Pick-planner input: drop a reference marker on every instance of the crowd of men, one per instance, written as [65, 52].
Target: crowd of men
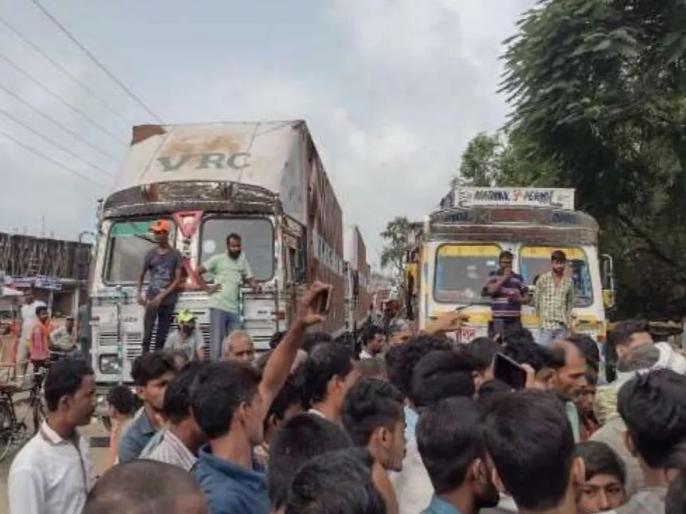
[414, 423]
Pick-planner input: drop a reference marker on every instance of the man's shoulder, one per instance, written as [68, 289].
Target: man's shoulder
[31, 457]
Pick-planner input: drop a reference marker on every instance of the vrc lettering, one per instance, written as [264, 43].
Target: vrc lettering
[216, 160]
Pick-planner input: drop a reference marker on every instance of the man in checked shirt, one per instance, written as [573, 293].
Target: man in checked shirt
[554, 300]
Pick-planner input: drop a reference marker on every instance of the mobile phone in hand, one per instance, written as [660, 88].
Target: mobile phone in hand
[509, 371]
[323, 302]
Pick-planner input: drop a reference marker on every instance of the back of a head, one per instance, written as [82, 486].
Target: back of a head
[653, 406]
[312, 339]
[122, 399]
[624, 330]
[449, 439]
[643, 357]
[64, 378]
[151, 366]
[301, 438]
[443, 374]
[535, 355]
[600, 459]
[588, 347]
[401, 360]
[371, 404]
[126, 489]
[519, 335]
[529, 438]
[177, 396]
[217, 391]
[336, 483]
[493, 388]
[483, 349]
[325, 361]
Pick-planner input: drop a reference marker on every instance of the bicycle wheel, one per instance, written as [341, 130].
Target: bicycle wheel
[38, 413]
[6, 430]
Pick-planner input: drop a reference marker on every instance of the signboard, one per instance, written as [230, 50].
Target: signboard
[46, 282]
[512, 196]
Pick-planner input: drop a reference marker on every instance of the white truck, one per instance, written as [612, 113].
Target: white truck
[263, 180]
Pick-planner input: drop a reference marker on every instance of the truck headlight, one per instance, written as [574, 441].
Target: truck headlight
[109, 363]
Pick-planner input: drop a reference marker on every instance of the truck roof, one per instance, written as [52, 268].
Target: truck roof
[272, 155]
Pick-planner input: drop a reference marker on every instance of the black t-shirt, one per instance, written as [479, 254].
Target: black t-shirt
[162, 269]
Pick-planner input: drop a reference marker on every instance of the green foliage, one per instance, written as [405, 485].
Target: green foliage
[598, 89]
[395, 246]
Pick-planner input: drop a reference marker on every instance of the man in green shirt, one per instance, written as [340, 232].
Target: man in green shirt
[229, 271]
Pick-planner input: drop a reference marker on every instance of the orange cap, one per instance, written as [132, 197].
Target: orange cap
[160, 226]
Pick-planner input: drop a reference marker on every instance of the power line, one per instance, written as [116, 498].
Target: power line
[59, 97]
[95, 60]
[64, 70]
[76, 136]
[51, 160]
[53, 142]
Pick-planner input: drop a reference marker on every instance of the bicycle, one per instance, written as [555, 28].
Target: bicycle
[13, 429]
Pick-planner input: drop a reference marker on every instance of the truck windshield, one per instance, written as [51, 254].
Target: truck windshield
[462, 271]
[128, 243]
[535, 260]
[257, 235]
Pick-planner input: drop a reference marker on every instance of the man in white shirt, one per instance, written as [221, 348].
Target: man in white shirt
[51, 474]
[373, 343]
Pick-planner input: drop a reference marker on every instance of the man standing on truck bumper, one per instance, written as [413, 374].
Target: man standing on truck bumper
[229, 271]
[554, 300]
[164, 265]
[508, 292]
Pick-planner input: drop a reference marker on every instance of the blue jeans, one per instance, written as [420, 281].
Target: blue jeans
[550, 335]
[222, 323]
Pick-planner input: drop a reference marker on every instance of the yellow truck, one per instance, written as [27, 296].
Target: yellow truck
[453, 251]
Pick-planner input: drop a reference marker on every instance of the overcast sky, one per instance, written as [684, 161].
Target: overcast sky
[392, 91]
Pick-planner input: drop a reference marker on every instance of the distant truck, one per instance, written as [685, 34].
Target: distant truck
[455, 248]
[357, 278]
[262, 180]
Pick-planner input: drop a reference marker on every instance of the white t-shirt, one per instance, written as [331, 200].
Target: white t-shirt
[28, 317]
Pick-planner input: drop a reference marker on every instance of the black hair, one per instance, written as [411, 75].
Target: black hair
[588, 347]
[443, 374]
[312, 339]
[41, 309]
[276, 339]
[64, 378]
[324, 362]
[126, 489]
[371, 404]
[653, 406]
[301, 438]
[122, 399]
[600, 459]
[558, 256]
[530, 440]
[493, 387]
[177, 396]
[217, 391]
[518, 335]
[151, 366]
[505, 255]
[535, 355]
[335, 483]
[401, 359]
[290, 394]
[483, 350]
[449, 440]
[372, 332]
[624, 330]
[234, 236]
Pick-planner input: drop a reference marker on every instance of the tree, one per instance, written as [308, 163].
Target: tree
[396, 238]
[480, 164]
[599, 87]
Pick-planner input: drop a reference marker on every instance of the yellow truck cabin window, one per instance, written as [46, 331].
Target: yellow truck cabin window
[462, 271]
[535, 260]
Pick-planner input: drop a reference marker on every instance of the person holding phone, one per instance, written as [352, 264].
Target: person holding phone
[508, 292]
[229, 272]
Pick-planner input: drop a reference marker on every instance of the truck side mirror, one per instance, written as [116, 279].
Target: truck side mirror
[607, 278]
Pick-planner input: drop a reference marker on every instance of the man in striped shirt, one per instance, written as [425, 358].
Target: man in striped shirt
[508, 292]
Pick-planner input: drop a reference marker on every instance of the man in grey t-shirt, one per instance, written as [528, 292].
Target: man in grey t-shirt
[187, 338]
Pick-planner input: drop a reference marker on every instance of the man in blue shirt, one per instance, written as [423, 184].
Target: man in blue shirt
[450, 443]
[230, 401]
[508, 292]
